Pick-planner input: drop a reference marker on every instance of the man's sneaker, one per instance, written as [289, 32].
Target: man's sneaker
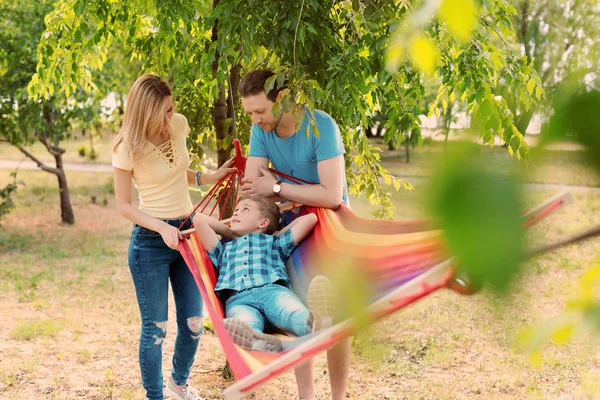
[247, 338]
[181, 393]
[323, 302]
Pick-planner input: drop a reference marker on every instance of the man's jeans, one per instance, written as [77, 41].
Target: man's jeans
[152, 265]
[270, 303]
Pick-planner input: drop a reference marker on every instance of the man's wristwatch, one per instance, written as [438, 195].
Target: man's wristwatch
[277, 187]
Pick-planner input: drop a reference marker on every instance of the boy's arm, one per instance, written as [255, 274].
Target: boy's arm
[300, 227]
[207, 229]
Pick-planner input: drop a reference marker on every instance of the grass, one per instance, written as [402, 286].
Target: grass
[71, 321]
[555, 165]
[46, 328]
[85, 355]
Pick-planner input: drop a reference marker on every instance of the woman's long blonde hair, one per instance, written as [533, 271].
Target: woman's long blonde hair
[143, 114]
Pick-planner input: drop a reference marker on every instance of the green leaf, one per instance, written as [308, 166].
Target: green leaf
[386, 178]
[538, 93]
[227, 125]
[79, 7]
[530, 86]
[270, 83]
[578, 115]
[511, 10]
[479, 213]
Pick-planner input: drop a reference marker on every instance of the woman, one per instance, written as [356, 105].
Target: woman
[151, 150]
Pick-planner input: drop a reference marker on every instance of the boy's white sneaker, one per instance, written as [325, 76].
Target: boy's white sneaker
[247, 338]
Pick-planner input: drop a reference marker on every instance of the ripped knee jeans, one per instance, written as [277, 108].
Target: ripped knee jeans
[153, 265]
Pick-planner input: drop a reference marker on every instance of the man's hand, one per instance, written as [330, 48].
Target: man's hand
[262, 184]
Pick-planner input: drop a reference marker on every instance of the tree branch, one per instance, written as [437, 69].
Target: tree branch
[523, 30]
[489, 25]
[37, 161]
[296, 32]
[595, 232]
[364, 19]
[54, 150]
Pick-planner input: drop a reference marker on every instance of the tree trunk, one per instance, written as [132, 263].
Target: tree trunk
[66, 211]
[93, 154]
[233, 97]
[523, 27]
[221, 112]
[220, 105]
[522, 121]
[447, 122]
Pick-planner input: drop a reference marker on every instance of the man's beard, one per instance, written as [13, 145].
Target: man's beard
[277, 121]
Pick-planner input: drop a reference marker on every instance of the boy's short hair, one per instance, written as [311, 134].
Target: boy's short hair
[268, 210]
[254, 82]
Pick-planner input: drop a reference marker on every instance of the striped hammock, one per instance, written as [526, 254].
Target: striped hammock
[398, 262]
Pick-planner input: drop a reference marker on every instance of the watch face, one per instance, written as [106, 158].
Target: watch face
[277, 188]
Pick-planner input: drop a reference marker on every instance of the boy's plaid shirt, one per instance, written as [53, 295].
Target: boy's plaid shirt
[252, 260]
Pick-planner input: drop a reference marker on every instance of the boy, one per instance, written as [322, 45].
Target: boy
[252, 279]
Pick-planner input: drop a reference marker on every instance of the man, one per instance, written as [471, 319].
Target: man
[317, 159]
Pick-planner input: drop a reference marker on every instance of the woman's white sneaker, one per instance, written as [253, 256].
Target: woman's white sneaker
[181, 392]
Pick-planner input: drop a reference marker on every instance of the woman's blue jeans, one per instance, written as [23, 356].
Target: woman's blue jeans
[152, 265]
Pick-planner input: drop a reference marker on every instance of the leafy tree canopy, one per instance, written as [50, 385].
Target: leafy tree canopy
[350, 58]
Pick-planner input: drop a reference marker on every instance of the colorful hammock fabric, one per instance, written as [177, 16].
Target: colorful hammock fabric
[401, 262]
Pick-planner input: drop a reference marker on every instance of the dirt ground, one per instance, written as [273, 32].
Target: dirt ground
[71, 326]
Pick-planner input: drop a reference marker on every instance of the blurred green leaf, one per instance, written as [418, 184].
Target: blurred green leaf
[479, 213]
[459, 15]
[578, 114]
[592, 316]
[424, 53]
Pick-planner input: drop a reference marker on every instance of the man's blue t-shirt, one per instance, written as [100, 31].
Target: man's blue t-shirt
[299, 154]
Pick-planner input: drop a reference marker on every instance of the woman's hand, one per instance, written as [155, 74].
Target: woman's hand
[210, 178]
[170, 235]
